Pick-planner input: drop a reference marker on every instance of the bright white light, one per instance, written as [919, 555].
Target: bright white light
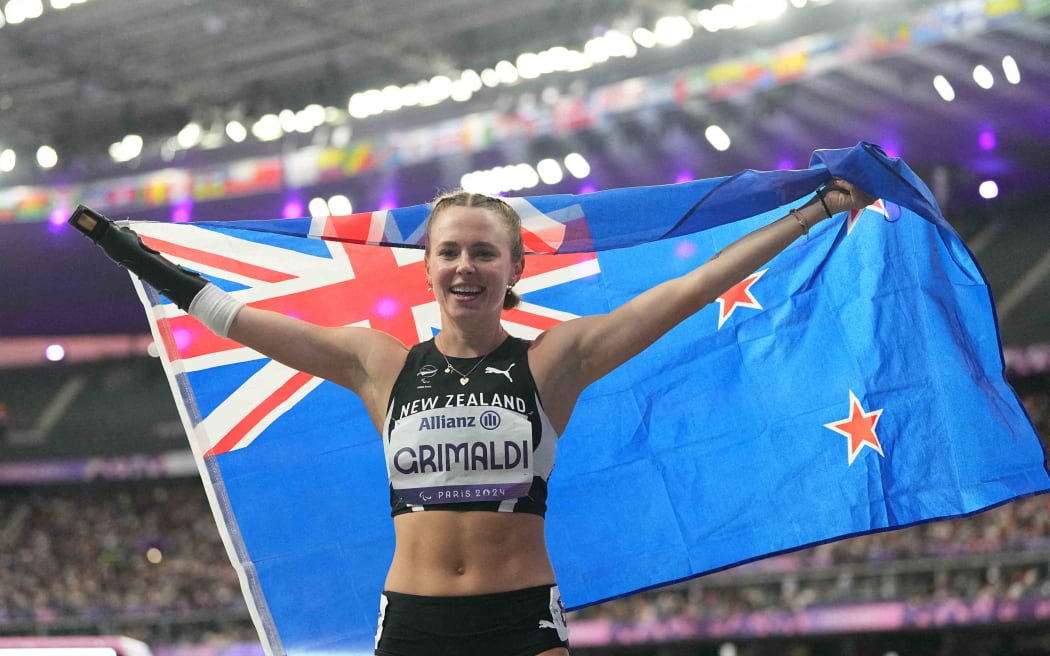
[798, 4]
[717, 137]
[552, 59]
[189, 136]
[597, 50]
[490, 78]
[672, 30]
[152, 350]
[54, 352]
[132, 146]
[983, 77]
[46, 157]
[287, 119]
[1011, 71]
[440, 87]
[411, 95]
[507, 72]
[357, 106]
[576, 61]
[267, 128]
[391, 98]
[723, 17]
[550, 171]
[236, 131]
[944, 88]
[317, 207]
[644, 37]
[528, 64]
[315, 114]
[19, 11]
[461, 91]
[469, 182]
[577, 165]
[745, 14]
[707, 20]
[471, 78]
[304, 122]
[527, 176]
[126, 149]
[988, 189]
[7, 160]
[620, 45]
[374, 101]
[339, 205]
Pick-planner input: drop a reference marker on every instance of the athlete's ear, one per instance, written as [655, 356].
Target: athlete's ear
[519, 268]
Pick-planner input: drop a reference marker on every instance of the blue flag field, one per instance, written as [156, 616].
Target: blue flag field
[853, 384]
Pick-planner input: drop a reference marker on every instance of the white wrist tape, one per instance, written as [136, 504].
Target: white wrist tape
[215, 309]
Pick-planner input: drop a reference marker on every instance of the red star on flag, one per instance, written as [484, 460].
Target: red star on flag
[739, 295]
[854, 215]
[859, 428]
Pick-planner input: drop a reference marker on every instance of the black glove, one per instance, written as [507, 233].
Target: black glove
[125, 247]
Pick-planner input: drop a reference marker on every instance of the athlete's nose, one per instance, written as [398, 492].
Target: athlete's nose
[464, 265]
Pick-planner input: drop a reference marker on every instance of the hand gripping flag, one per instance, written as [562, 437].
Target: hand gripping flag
[852, 384]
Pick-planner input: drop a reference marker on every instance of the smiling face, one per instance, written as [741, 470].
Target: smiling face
[470, 261]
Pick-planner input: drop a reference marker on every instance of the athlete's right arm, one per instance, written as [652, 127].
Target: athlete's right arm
[365, 361]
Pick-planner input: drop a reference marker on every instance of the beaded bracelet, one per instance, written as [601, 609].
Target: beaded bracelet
[798, 217]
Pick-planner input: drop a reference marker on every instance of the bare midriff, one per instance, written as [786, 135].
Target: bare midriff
[450, 553]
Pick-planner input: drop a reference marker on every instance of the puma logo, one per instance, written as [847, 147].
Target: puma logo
[506, 372]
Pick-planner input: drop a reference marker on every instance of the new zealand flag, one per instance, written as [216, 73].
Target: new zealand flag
[853, 384]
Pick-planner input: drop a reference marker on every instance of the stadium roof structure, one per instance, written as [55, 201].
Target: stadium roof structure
[83, 78]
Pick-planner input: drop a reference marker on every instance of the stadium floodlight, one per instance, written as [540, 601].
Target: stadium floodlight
[983, 77]
[944, 88]
[340, 205]
[549, 171]
[1011, 70]
[46, 157]
[717, 137]
[988, 189]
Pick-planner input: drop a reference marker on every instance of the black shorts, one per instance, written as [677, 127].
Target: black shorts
[517, 623]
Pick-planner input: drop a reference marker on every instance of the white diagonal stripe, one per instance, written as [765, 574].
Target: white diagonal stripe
[559, 276]
[251, 394]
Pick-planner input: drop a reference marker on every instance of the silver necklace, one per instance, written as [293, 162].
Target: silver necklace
[464, 378]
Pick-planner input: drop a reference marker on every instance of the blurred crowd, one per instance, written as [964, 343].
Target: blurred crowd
[145, 559]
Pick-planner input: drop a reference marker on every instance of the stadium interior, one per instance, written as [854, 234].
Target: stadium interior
[249, 109]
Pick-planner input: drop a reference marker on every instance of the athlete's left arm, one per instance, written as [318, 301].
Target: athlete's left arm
[590, 347]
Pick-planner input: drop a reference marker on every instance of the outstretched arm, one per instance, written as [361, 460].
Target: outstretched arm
[590, 347]
[360, 359]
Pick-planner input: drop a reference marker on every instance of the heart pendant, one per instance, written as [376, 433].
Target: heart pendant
[464, 380]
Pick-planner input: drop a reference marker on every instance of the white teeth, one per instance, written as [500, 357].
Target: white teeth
[466, 290]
